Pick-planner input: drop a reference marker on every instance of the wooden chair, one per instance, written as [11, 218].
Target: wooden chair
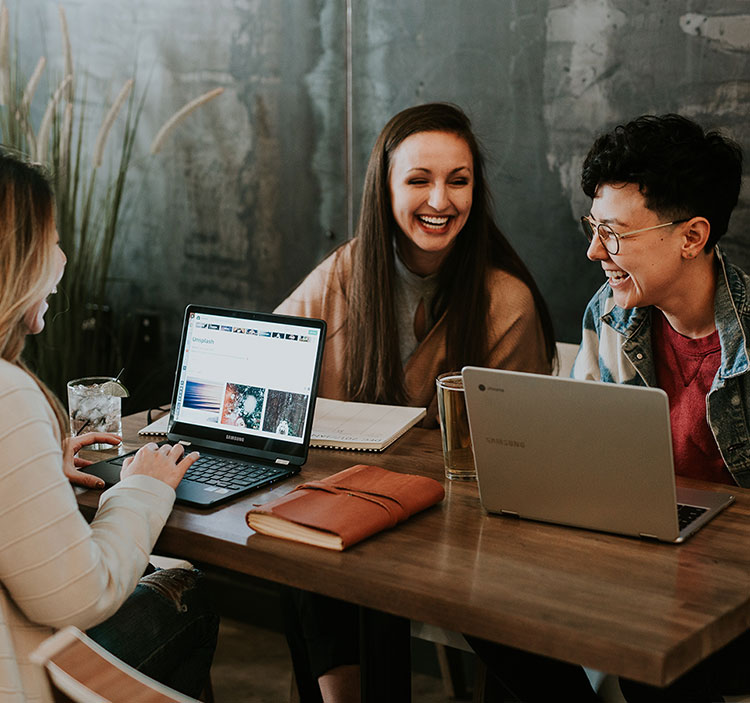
[81, 671]
[448, 647]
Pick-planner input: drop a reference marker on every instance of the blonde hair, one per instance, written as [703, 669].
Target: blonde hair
[27, 267]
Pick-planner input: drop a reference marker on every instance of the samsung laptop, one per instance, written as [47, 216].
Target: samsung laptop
[581, 453]
[244, 397]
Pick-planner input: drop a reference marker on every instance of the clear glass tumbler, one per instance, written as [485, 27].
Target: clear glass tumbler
[93, 409]
[458, 455]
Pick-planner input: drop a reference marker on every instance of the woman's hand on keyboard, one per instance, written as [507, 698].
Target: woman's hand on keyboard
[166, 463]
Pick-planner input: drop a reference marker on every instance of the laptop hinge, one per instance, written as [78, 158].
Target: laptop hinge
[509, 513]
[185, 443]
[284, 462]
[644, 535]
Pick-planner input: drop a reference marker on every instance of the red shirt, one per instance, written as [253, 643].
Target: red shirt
[685, 369]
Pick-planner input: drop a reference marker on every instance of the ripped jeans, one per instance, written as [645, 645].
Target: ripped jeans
[165, 629]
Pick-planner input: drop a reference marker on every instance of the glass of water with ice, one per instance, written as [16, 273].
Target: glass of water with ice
[94, 408]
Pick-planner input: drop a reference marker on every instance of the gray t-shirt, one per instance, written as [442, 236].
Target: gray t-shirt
[411, 288]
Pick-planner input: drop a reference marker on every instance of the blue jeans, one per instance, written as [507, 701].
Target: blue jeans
[165, 629]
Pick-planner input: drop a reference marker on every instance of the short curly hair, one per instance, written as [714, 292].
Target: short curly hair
[681, 170]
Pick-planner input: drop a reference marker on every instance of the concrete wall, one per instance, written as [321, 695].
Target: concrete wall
[252, 190]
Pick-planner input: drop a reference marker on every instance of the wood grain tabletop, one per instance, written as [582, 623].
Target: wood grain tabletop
[630, 607]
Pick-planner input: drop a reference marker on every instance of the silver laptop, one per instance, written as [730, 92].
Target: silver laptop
[582, 453]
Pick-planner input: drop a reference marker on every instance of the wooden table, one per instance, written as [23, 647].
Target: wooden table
[639, 609]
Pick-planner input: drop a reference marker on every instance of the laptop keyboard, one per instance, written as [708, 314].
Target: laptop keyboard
[226, 473]
[229, 473]
[687, 514]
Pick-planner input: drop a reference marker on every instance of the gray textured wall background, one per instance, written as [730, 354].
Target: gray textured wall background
[251, 192]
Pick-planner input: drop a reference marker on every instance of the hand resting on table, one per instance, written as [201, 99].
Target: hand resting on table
[72, 463]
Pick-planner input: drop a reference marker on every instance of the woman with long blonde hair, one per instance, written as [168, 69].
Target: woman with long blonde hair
[56, 570]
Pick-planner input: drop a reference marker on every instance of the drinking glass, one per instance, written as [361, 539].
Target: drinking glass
[458, 456]
[93, 409]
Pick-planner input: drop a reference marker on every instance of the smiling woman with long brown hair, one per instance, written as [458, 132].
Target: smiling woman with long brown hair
[429, 284]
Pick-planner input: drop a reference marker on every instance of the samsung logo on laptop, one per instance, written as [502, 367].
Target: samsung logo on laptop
[506, 442]
[234, 438]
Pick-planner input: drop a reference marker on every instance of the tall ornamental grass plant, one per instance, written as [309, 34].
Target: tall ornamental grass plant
[80, 338]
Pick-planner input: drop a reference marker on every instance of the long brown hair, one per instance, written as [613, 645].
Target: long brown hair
[374, 372]
[27, 271]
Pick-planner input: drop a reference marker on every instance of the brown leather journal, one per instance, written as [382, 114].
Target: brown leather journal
[347, 507]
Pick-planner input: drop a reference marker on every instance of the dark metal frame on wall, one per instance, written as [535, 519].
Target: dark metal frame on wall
[349, 123]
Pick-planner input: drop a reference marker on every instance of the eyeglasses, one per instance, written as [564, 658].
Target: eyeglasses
[609, 238]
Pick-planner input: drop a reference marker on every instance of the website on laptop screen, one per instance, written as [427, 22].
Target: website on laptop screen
[247, 376]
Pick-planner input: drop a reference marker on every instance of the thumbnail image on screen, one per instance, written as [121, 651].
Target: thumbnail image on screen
[285, 413]
[203, 396]
[243, 406]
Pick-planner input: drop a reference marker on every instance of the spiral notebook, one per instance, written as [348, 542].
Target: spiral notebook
[158, 428]
[367, 427]
[342, 425]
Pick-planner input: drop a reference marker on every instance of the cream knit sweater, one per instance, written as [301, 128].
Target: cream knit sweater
[55, 569]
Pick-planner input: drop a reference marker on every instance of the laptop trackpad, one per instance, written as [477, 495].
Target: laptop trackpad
[712, 501]
[106, 470]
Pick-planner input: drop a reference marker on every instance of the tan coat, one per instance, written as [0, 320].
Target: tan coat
[515, 331]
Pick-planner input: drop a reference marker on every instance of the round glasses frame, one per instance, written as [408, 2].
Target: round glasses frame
[609, 238]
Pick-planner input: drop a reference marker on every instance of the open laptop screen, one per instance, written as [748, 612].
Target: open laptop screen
[247, 379]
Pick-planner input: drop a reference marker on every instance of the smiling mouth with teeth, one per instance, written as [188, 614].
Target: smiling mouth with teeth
[617, 276]
[433, 221]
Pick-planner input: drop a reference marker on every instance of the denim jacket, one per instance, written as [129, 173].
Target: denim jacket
[616, 348]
